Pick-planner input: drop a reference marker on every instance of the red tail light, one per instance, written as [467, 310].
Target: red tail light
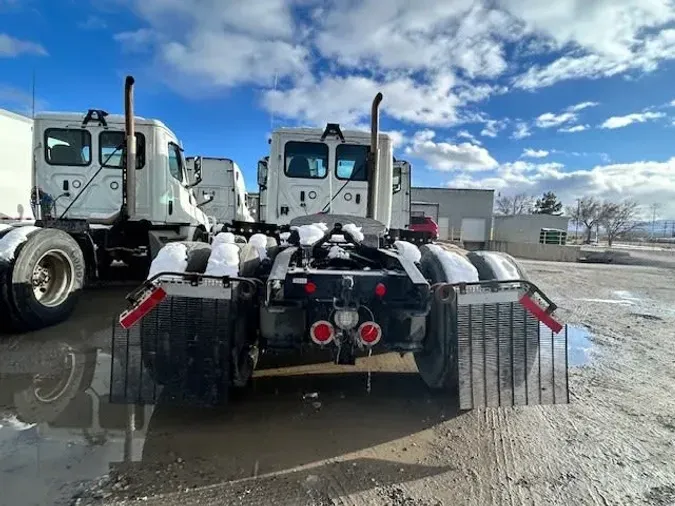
[310, 288]
[370, 333]
[322, 332]
[380, 290]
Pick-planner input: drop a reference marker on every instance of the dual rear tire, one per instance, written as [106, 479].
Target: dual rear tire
[41, 283]
[202, 348]
[438, 363]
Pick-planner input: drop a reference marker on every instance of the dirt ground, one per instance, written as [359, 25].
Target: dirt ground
[308, 434]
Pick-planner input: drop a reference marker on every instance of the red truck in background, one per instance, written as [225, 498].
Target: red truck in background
[424, 224]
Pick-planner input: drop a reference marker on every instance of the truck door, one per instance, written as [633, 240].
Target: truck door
[80, 170]
[180, 200]
[305, 169]
[400, 211]
[349, 192]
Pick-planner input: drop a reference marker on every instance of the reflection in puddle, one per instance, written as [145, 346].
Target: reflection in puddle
[57, 426]
[579, 345]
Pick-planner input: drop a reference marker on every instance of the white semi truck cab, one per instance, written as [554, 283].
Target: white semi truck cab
[313, 170]
[222, 188]
[78, 170]
[103, 188]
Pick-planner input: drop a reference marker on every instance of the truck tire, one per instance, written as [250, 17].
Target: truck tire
[44, 282]
[198, 254]
[437, 363]
[186, 368]
[10, 320]
[496, 265]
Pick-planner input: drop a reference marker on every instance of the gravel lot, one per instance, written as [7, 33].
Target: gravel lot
[398, 445]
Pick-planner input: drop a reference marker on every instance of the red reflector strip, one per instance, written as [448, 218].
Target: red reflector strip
[147, 304]
[540, 314]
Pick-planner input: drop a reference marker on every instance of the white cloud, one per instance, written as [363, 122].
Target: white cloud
[644, 181]
[521, 131]
[444, 156]
[348, 100]
[534, 153]
[581, 106]
[573, 129]
[420, 35]
[548, 119]
[599, 38]
[465, 134]
[624, 121]
[213, 44]
[11, 47]
[492, 127]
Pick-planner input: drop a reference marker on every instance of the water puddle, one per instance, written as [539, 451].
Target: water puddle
[579, 345]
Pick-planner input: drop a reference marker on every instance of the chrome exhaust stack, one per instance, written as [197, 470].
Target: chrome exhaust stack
[129, 203]
[373, 172]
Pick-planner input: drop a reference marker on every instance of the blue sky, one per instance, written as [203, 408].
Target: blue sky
[516, 95]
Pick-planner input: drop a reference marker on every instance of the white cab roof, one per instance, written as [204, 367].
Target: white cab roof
[349, 134]
[115, 119]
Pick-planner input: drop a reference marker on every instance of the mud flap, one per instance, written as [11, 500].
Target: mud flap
[172, 347]
[511, 351]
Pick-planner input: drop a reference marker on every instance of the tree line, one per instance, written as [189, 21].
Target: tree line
[615, 218]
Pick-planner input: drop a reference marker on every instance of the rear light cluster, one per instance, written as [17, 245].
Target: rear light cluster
[322, 333]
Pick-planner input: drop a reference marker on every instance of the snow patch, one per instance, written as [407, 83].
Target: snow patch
[354, 231]
[457, 268]
[260, 242]
[4, 227]
[224, 260]
[11, 240]
[223, 237]
[338, 252]
[408, 250]
[171, 258]
[310, 234]
[13, 422]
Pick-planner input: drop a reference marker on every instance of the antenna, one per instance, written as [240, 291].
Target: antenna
[33, 97]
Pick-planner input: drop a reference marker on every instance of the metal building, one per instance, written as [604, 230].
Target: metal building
[462, 214]
[526, 228]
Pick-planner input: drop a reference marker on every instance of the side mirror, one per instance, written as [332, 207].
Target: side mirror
[397, 179]
[262, 173]
[208, 197]
[197, 172]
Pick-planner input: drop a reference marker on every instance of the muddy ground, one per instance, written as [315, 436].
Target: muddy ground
[398, 445]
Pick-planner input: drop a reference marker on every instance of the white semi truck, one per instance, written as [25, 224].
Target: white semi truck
[223, 189]
[96, 198]
[342, 280]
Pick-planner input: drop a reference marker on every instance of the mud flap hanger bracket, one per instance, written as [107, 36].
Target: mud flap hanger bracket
[492, 291]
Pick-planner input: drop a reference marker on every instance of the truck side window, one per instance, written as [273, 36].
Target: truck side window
[351, 162]
[110, 152]
[397, 179]
[175, 162]
[67, 146]
[306, 159]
